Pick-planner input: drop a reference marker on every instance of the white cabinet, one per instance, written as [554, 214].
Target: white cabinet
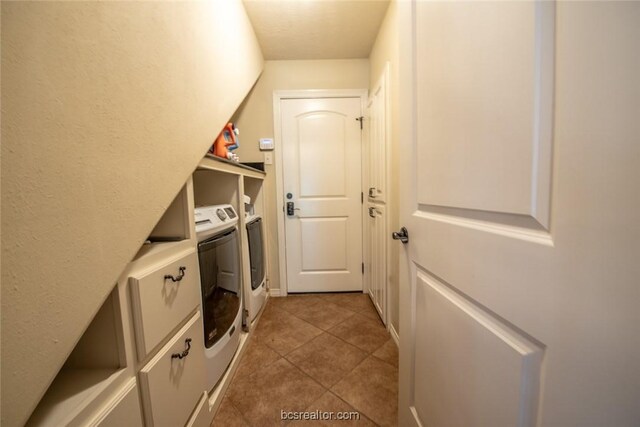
[377, 274]
[162, 296]
[201, 416]
[123, 411]
[93, 373]
[173, 381]
[219, 182]
[122, 372]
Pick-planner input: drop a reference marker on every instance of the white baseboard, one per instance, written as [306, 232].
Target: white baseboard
[394, 334]
[274, 292]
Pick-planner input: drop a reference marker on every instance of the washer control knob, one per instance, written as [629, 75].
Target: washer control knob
[221, 215]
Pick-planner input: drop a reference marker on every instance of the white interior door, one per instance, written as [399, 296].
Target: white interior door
[376, 243]
[377, 228]
[321, 149]
[378, 137]
[520, 181]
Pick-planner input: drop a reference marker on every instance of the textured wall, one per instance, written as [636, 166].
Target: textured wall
[107, 108]
[387, 49]
[255, 120]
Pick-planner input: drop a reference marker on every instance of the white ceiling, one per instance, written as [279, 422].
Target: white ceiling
[316, 29]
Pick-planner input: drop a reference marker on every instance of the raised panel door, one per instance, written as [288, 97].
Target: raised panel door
[518, 297]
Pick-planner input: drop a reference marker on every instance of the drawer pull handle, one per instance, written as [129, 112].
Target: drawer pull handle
[185, 353]
[179, 277]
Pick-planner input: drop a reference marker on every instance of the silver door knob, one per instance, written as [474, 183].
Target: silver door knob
[402, 235]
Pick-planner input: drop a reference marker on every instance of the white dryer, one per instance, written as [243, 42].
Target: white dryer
[221, 286]
[256, 294]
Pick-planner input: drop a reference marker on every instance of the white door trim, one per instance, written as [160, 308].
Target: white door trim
[278, 96]
[382, 80]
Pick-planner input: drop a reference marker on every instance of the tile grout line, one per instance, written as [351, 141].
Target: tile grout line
[356, 367]
[383, 361]
[368, 353]
[332, 326]
[238, 410]
[354, 408]
[346, 373]
[260, 367]
[309, 324]
[314, 302]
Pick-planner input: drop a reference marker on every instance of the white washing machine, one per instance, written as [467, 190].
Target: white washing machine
[256, 295]
[221, 286]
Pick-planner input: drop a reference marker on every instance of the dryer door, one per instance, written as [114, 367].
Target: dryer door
[256, 253]
[220, 281]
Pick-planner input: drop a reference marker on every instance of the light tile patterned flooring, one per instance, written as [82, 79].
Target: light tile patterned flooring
[327, 352]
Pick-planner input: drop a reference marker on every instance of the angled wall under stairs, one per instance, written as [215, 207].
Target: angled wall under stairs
[107, 107]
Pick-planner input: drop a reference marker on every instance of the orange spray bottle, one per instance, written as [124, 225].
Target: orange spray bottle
[226, 138]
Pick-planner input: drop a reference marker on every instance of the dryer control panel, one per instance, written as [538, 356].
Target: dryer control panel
[214, 219]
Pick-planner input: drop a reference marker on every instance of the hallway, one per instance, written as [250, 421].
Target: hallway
[315, 352]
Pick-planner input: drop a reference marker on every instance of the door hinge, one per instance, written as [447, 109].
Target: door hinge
[362, 198]
[361, 120]
[363, 268]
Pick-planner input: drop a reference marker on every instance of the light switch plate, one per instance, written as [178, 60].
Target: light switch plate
[268, 158]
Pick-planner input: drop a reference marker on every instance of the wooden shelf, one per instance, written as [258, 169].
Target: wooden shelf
[222, 165]
[215, 187]
[177, 222]
[70, 392]
[95, 367]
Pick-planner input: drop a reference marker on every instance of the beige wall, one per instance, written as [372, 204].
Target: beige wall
[107, 108]
[386, 49]
[255, 120]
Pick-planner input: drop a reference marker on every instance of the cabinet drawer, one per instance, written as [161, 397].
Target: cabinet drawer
[159, 303]
[201, 416]
[172, 387]
[125, 410]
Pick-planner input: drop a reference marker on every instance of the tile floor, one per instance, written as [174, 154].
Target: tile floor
[327, 352]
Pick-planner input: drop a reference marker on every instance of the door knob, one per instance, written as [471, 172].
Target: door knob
[402, 235]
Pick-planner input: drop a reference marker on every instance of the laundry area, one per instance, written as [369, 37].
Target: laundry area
[320, 212]
[262, 215]
[190, 321]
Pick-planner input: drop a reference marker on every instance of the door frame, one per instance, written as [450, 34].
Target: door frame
[278, 97]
